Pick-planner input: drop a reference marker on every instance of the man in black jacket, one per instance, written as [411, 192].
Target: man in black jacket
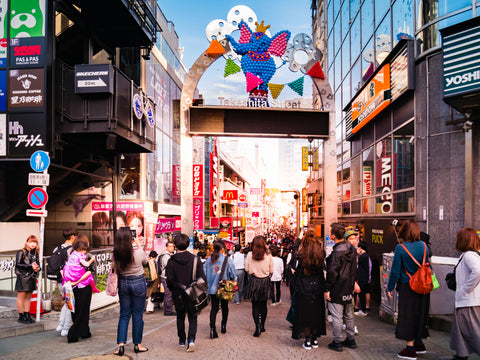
[341, 271]
[180, 270]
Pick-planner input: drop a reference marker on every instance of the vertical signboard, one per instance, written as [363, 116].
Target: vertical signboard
[197, 180]
[197, 213]
[176, 183]
[304, 200]
[3, 135]
[226, 230]
[3, 32]
[26, 134]
[315, 160]
[27, 18]
[26, 89]
[3, 90]
[304, 158]
[214, 183]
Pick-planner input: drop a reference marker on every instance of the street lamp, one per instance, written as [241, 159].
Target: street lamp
[297, 198]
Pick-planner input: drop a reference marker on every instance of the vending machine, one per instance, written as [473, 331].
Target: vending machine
[388, 306]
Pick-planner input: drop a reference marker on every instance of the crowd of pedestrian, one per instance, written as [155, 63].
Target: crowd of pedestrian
[337, 285]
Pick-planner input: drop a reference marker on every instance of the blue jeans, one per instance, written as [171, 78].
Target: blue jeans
[240, 278]
[132, 291]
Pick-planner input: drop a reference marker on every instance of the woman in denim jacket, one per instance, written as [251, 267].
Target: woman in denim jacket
[212, 269]
[132, 288]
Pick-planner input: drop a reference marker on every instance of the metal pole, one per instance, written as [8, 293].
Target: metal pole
[39, 289]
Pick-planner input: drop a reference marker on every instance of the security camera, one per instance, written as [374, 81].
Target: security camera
[394, 222]
[412, 140]
[467, 125]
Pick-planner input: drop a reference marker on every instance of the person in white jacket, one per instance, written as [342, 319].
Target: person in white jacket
[277, 276]
[465, 334]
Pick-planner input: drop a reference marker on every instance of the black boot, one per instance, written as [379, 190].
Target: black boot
[262, 326]
[223, 330]
[213, 332]
[257, 330]
[28, 317]
[22, 319]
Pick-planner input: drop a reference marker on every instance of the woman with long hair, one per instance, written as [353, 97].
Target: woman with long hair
[412, 307]
[259, 265]
[129, 258]
[309, 309]
[213, 268]
[465, 337]
[26, 269]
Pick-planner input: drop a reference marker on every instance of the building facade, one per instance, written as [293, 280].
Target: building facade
[404, 149]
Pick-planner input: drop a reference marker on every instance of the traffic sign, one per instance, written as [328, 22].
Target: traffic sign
[242, 197]
[39, 161]
[37, 198]
[38, 179]
[31, 212]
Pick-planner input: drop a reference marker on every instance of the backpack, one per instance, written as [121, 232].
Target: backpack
[420, 282]
[56, 262]
[195, 293]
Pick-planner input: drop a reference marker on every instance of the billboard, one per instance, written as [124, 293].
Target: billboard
[27, 52]
[26, 134]
[26, 89]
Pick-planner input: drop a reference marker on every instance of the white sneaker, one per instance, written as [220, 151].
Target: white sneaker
[59, 328]
[273, 304]
[64, 332]
[191, 346]
[355, 329]
[360, 313]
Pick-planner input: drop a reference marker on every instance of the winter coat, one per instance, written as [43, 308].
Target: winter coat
[341, 272]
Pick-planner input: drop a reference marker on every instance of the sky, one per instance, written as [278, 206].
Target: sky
[190, 19]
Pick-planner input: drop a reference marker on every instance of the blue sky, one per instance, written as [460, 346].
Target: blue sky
[192, 17]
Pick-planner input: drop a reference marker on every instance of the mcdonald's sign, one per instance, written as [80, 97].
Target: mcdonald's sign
[230, 194]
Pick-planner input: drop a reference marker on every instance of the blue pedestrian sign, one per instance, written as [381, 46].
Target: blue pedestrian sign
[39, 161]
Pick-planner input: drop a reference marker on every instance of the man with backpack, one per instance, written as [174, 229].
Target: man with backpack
[54, 267]
[162, 264]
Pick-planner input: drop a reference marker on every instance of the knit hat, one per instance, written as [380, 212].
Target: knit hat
[348, 233]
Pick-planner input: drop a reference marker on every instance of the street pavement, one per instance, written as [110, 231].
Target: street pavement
[375, 340]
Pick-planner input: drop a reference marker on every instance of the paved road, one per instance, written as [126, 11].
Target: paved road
[375, 340]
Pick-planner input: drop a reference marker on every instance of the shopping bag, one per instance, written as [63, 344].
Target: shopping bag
[69, 297]
[112, 284]
[150, 271]
[435, 282]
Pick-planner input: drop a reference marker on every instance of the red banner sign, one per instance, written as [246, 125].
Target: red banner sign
[197, 180]
[165, 225]
[214, 183]
[197, 213]
[176, 183]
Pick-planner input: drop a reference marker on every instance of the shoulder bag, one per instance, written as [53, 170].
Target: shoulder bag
[196, 292]
[226, 289]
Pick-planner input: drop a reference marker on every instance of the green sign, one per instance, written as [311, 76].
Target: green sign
[27, 18]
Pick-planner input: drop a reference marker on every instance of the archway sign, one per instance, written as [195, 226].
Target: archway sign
[255, 50]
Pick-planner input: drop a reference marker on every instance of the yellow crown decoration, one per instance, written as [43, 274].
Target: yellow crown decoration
[261, 27]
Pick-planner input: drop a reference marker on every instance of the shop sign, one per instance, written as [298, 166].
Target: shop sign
[315, 160]
[230, 195]
[255, 191]
[26, 134]
[198, 180]
[27, 89]
[399, 71]
[372, 99]
[3, 90]
[304, 158]
[121, 206]
[304, 200]
[27, 52]
[385, 182]
[178, 223]
[225, 230]
[367, 181]
[3, 134]
[177, 184]
[27, 18]
[214, 183]
[461, 67]
[197, 213]
[3, 42]
[95, 78]
[165, 225]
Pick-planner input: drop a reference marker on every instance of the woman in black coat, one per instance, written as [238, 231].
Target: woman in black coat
[26, 269]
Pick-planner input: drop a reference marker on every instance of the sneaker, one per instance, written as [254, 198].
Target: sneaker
[273, 304]
[329, 319]
[279, 301]
[59, 328]
[181, 343]
[407, 354]
[355, 329]
[336, 346]
[420, 349]
[359, 313]
[191, 346]
[349, 343]
[315, 344]
[307, 345]
[64, 332]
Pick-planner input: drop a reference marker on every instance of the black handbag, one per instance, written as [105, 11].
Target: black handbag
[196, 292]
[450, 277]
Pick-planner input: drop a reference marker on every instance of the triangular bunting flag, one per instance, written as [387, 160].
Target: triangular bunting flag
[297, 86]
[275, 89]
[252, 81]
[231, 68]
[316, 71]
[215, 48]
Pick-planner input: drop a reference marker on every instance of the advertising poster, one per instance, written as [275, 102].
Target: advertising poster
[197, 213]
[165, 226]
[226, 230]
[3, 134]
[150, 224]
[27, 18]
[27, 89]
[128, 214]
[26, 134]
[27, 52]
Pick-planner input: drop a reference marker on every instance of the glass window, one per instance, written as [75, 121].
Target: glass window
[346, 90]
[355, 39]
[356, 77]
[354, 6]
[338, 71]
[345, 19]
[383, 39]
[367, 21]
[404, 160]
[402, 17]
[404, 201]
[455, 19]
[345, 58]
[368, 61]
[356, 178]
[381, 7]
[356, 207]
[447, 6]
[384, 172]
[338, 107]
[167, 172]
[337, 36]
[331, 52]
[428, 38]
[330, 17]
[130, 176]
[331, 77]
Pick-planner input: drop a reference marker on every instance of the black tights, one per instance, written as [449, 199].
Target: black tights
[259, 312]
[215, 302]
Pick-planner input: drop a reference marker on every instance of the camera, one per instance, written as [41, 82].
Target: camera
[394, 222]
[134, 233]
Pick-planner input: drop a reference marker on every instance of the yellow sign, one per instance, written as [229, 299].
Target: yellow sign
[304, 200]
[315, 159]
[304, 158]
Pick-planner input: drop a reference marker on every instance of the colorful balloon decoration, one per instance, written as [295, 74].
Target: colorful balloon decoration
[257, 63]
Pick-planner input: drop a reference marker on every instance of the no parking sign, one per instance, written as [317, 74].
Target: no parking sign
[37, 198]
